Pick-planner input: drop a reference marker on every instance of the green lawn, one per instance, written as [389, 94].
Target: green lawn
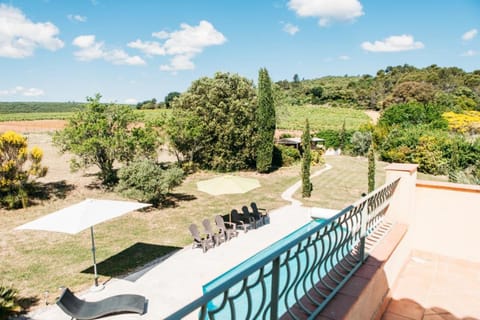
[35, 261]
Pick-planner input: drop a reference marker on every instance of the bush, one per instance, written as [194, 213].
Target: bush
[361, 142]
[469, 176]
[333, 138]
[284, 156]
[13, 176]
[429, 155]
[146, 181]
[317, 157]
[411, 114]
[8, 302]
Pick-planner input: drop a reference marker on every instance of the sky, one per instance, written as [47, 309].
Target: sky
[135, 50]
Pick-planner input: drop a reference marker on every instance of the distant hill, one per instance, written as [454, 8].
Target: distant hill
[450, 87]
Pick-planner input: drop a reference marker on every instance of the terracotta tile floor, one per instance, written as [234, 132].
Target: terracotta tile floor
[433, 287]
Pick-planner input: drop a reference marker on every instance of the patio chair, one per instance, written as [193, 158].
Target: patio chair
[217, 236]
[230, 231]
[203, 241]
[255, 219]
[260, 211]
[239, 220]
[80, 309]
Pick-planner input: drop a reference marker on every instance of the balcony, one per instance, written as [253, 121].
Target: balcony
[420, 263]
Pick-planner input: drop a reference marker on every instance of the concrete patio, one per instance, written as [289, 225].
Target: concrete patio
[177, 280]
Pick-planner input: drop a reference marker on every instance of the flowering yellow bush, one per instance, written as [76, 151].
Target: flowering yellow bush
[466, 122]
[13, 177]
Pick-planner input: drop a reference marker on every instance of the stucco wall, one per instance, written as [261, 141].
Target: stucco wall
[446, 220]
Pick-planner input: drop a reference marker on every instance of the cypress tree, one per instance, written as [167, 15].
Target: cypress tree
[306, 160]
[265, 122]
[371, 168]
[342, 136]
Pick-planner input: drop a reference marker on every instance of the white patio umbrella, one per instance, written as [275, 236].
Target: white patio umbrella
[81, 216]
[227, 184]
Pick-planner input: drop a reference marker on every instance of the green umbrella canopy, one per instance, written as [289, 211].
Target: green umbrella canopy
[227, 184]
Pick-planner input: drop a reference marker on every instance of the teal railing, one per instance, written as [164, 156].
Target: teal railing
[296, 277]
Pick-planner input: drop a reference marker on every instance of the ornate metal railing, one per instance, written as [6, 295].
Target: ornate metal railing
[296, 277]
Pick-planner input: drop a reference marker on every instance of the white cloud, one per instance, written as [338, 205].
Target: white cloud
[90, 49]
[131, 101]
[290, 29]
[150, 48]
[19, 37]
[183, 45]
[179, 62]
[76, 18]
[84, 41]
[160, 34]
[190, 39]
[469, 53]
[22, 91]
[327, 10]
[393, 44]
[343, 57]
[121, 57]
[470, 34]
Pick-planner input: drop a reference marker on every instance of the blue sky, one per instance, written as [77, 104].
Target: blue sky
[134, 50]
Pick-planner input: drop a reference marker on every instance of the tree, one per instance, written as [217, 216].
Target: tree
[169, 98]
[342, 137]
[361, 142]
[371, 169]
[306, 160]
[265, 122]
[412, 91]
[103, 134]
[213, 123]
[296, 78]
[146, 181]
[14, 155]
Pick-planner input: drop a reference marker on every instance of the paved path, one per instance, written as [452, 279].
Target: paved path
[178, 280]
[288, 194]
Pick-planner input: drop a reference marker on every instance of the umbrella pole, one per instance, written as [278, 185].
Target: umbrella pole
[94, 259]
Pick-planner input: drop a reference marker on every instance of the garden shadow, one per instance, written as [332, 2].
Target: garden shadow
[172, 199]
[25, 303]
[131, 259]
[46, 191]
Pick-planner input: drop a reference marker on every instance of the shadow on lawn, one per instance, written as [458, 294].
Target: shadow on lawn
[131, 259]
[47, 191]
[173, 199]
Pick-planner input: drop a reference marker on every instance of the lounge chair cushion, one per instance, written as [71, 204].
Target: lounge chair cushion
[84, 310]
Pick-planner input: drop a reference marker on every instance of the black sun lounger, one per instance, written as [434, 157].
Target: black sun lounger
[84, 310]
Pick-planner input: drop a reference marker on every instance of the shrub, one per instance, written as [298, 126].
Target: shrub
[286, 135]
[333, 138]
[8, 302]
[317, 157]
[13, 176]
[469, 176]
[411, 114]
[146, 181]
[284, 156]
[361, 142]
[466, 122]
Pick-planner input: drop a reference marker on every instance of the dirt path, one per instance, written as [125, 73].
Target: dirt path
[32, 126]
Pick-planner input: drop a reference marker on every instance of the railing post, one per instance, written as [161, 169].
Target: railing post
[363, 229]
[275, 288]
